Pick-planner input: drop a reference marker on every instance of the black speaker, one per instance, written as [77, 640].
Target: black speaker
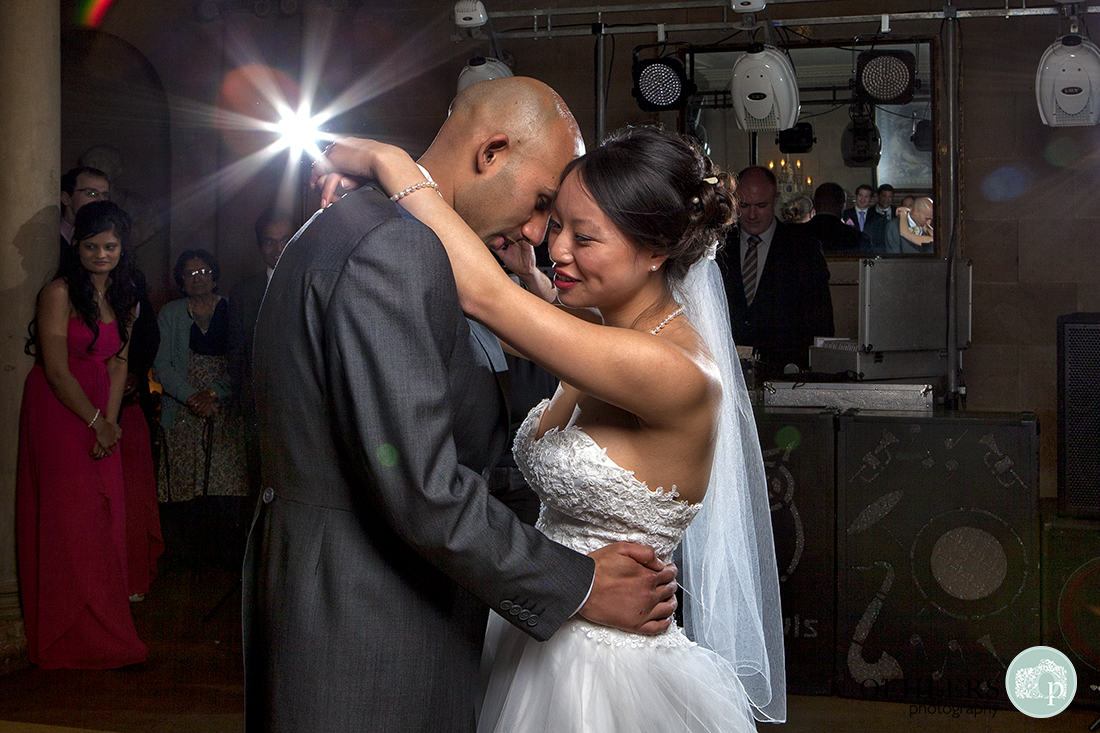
[799, 458]
[1071, 598]
[937, 554]
[1079, 415]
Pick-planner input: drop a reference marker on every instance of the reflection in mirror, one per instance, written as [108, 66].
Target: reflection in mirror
[847, 132]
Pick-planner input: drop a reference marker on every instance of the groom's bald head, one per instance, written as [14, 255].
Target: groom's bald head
[499, 156]
[525, 109]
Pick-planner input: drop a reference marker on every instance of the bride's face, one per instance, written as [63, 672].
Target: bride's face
[595, 264]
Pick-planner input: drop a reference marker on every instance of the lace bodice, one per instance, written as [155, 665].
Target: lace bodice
[588, 500]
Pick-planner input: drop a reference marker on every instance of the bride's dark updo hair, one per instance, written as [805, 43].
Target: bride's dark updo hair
[662, 192]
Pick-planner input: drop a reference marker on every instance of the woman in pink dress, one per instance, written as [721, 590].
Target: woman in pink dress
[70, 503]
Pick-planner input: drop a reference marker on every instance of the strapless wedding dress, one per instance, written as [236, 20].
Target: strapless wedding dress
[590, 678]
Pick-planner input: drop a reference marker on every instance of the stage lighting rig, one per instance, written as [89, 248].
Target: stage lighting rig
[886, 77]
[860, 144]
[661, 83]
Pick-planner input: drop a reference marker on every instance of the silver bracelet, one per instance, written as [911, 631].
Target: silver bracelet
[90, 424]
[415, 187]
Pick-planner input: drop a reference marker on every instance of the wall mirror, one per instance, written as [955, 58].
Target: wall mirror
[826, 78]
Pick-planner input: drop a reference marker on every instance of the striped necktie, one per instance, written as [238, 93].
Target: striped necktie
[862, 219]
[748, 272]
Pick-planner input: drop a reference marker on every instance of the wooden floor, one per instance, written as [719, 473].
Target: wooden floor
[192, 682]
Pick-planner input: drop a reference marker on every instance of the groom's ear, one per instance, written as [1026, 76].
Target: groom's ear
[492, 153]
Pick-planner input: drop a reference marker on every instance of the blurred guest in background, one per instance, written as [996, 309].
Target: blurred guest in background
[835, 236]
[884, 203]
[799, 210]
[862, 215]
[80, 186]
[274, 228]
[203, 454]
[143, 537]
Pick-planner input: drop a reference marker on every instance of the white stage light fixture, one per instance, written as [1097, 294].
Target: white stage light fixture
[764, 90]
[470, 14]
[480, 68]
[1067, 83]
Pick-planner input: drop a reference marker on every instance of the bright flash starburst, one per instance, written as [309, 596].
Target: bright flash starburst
[266, 117]
[298, 132]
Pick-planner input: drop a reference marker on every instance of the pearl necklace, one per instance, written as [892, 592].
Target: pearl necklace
[667, 321]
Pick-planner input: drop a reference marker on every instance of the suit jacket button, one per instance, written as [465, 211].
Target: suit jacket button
[532, 620]
[514, 610]
[269, 495]
[506, 605]
[524, 614]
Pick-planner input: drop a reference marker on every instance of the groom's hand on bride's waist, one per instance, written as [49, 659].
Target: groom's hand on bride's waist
[633, 590]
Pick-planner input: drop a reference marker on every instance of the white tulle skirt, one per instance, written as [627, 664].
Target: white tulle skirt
[589, 678]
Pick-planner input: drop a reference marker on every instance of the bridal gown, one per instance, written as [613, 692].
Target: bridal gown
[590, 678]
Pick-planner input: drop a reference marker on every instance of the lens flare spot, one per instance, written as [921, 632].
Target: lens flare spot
[251, 102]
[788, 437]
[90, 13]
[1062, 152]
[386, 455]
[1007, 183]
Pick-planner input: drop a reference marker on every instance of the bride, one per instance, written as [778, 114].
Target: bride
[649, 438]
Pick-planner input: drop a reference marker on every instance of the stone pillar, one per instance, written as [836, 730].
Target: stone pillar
[30, 159]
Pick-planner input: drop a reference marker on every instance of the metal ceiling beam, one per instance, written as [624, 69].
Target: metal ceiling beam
[542, 19]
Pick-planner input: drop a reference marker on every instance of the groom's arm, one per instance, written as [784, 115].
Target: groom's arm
[391, 332]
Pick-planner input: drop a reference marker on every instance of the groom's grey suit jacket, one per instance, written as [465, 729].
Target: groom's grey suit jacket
[376, 547]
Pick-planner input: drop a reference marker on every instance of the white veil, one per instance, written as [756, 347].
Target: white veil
[728, 567]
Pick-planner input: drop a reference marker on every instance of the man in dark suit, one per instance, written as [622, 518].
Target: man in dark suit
[884, 202]
[835, 236]
[862, 215]
[79, 186]
[884, 214]
[376, 548]
[274, 228]
[776, 279]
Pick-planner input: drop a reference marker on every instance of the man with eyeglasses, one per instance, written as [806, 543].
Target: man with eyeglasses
[80, 186]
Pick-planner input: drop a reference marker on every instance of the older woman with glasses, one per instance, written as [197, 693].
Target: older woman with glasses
[203, 454]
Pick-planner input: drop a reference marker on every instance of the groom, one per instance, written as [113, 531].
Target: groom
[376, 547]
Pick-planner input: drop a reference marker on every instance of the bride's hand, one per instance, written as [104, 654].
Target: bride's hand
[349, 161]
[519, 257]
